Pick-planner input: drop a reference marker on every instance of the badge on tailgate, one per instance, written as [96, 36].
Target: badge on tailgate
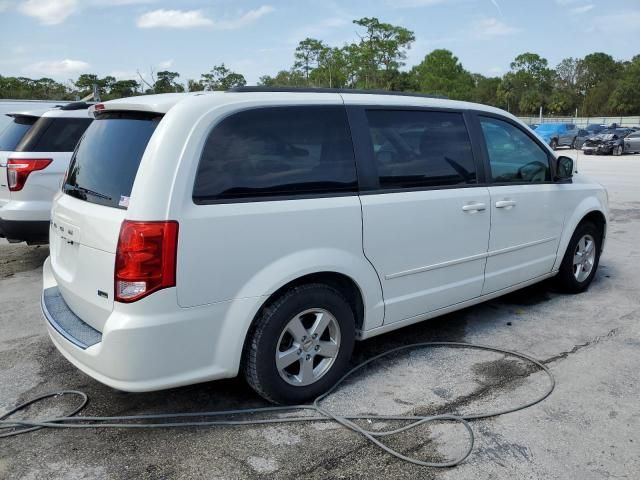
[66, 231]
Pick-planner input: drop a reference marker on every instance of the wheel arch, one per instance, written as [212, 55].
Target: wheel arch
[345, 284]
[589, 210]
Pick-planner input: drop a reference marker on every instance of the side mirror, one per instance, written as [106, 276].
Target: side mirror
[564, 169]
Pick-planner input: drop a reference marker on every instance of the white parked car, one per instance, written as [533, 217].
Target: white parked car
[35, 149]
[201, 235]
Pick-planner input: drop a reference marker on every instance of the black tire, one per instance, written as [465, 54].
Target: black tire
[259, 362]
[566, 280]
[618, 150]
[573, 144]
[554, 144]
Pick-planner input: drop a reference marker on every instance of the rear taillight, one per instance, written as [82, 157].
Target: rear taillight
[18, 169]
[145, 259]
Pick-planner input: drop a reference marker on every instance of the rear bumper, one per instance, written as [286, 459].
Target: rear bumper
[154, 345]
[33, 231]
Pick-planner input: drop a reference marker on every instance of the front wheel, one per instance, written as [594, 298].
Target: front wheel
[618, 150]
[554, 144]
[573, 144]
[300, 345]
[581, 259]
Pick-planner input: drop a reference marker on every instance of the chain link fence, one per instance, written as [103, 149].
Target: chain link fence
[633, 121]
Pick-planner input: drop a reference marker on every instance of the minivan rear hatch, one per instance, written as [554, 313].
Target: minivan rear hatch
[86, 217]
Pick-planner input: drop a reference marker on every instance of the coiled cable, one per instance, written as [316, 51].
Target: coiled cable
[168, 420]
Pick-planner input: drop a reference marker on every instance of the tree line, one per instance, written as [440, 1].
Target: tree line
[594, 85]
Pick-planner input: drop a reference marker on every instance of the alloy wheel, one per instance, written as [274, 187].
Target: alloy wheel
[308, 347]
[584, 258]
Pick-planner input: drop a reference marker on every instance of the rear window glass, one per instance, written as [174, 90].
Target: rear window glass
[54, 135]
[105, 163]
[14, 131]
[277, 152]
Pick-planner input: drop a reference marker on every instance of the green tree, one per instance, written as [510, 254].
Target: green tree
[284, 78]
[331, 70]
[528, 85]
[597, 78]
[307, 56]
[221, 78]
[123, 88]
[195, 85]
[486, 89]
[625, 98]
[441, 73]
[566, 94]
[39, 89]
[380, 53]
[166, 82]
[85, 83]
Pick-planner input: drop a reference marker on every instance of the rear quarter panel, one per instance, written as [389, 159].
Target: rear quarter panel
[245, 250]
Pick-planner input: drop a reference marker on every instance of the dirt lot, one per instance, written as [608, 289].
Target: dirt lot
[588, 428]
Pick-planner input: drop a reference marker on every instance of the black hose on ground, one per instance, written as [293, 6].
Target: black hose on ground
[18, 427]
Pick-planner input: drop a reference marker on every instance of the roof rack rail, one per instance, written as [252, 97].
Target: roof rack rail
[75, 106]
[331, 90]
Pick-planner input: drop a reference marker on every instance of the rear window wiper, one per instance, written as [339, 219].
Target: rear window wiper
[86, 190]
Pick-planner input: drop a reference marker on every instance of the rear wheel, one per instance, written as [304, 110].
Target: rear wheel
[554, 144]
[300, 345]
[573, 144]
[581, 259]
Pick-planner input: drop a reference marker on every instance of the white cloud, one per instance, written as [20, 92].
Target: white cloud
[49, 12]
[413, 3]
[628, 21]
[244, 19]
[120, 3]
[166, 63]
[58, 67]
[173, 19]
[582, 9]
[492, 27]
[196, 18]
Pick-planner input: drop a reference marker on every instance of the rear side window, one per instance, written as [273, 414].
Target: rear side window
[54, 135]
[14, 131]
[104, 166]
[415, 148]
[277, 152]
[513, 155]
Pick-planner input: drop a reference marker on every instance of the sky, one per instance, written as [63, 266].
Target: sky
[64, 38]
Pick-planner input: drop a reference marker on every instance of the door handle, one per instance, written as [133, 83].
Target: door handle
[474, 207]
[505, 203]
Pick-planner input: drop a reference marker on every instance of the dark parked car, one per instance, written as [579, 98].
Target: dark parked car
[607, 142]
[632, 142]
[581, 137]
[595, 128]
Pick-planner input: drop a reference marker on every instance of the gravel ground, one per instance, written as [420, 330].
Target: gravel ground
[587, 429]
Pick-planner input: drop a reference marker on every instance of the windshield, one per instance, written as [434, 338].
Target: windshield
[14, 131]
[105, 163]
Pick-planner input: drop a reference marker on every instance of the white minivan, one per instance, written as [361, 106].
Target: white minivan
[263, 231]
